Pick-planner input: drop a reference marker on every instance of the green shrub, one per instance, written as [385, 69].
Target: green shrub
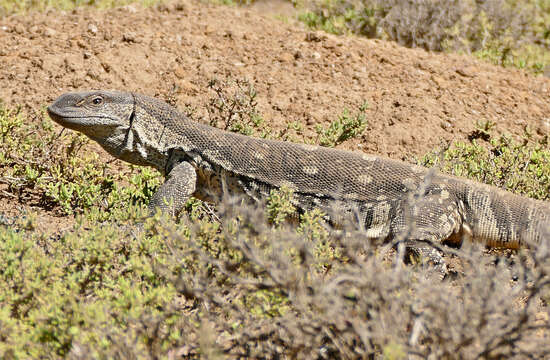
[233, 107]
[37, 163]
[245, 289]
[346, 127]
[520, 167]
[507, 32]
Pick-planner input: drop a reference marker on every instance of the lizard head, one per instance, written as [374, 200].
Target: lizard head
[94, 113]
[103, 116]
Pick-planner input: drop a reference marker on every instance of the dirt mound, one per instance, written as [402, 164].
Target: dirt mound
[416, 99]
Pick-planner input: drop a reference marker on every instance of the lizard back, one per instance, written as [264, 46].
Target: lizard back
[306, 169]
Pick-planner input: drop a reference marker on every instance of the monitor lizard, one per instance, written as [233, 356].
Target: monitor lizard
[384, 195]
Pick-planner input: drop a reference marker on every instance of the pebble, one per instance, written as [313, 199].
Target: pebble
[49, 32]
[92, 29]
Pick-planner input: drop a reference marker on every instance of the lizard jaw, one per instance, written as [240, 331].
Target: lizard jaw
[64, 112]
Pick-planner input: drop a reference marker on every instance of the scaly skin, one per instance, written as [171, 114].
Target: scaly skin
[387, 197]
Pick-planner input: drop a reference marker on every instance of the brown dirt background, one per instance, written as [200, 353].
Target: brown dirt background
[417, 100]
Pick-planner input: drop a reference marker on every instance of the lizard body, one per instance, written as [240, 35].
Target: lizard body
[384, 195]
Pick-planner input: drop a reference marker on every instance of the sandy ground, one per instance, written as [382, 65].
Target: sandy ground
[417, 100]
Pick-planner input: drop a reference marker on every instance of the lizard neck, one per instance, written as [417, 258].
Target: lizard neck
[155, 130]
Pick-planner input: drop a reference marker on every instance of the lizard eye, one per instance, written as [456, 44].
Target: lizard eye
[97, 100]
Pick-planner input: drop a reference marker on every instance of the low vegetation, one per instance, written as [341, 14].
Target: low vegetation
[505, 32]
[235, 281]
[50, 170]
[522, 167]
[238, 282]
[347, 126]
[240, 288]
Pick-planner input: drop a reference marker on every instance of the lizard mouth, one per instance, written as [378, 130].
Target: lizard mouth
[65, 120]
[60, 110]
[56, 116]
[71, 120]
[53, 114]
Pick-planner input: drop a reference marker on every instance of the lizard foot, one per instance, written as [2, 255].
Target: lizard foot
[427, 255]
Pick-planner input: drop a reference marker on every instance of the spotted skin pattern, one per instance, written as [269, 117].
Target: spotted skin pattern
[387, 197]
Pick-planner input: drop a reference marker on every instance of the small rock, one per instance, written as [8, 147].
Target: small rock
[92, 29]
[208, 29]
[316, 55]
[77, 82]
[106, 66]
[286, 57]
[130, 37]
[543, 127]
[93, 74]
[20, 29]
[81, 44]
[163, 8]
[48, 32]
[438, 81]
[129, 9]
[466, 72]
[180, 73]
[314, 37]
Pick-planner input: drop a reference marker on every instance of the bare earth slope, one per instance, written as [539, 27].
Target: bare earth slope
[417, 99]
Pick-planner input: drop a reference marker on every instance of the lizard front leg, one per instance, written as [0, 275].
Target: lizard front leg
[179, 185]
